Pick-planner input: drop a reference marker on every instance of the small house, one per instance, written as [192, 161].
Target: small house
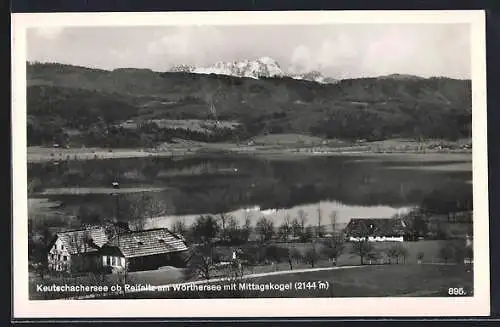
[376, 229]
[77, 250]
[144, 250]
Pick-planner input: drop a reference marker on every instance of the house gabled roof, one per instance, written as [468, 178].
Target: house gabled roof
[83, 240]
[147, 242]
[359, 227]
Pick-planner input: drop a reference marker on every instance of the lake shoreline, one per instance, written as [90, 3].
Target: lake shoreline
[47, 154]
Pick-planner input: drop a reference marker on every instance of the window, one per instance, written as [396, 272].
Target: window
[115, 261]
[58, 257]
[108, 261]
[65, 258]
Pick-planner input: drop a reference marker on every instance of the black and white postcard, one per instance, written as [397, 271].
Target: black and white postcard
[238, 164]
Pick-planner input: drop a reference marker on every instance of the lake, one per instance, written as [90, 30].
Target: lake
[353, 185]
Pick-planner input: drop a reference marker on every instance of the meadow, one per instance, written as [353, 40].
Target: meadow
[364, 281]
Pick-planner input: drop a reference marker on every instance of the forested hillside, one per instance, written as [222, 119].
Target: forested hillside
[83, 105]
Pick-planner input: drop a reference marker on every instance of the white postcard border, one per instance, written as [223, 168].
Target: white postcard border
[478, 305]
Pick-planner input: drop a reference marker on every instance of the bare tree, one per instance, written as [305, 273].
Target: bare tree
[287, 220]
[265, 228]
[223, 218]
[124, 277]
[285, 229]
[320, 228]
[307, 235]
[391, 253]
[205, 228]
[39, 248]
[302, 217]
[233, 230]
[402, 253]
[311, 256]
[246, 229]
[333, 222]
[138, 224]
[296, 228]
[179, 227]
[296, 255]
[290, 258]
[202, 261]
[138, 210]
[455, 251]
[362, 248]
[148, 206]
[333, 248]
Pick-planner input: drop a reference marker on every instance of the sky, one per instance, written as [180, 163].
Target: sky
[338, 51]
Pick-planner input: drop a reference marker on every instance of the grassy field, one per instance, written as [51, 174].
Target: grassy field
[430, 248]
[365, 281]
[196, 125]
[296, 139]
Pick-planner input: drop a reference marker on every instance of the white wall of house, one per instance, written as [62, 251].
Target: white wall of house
[58, 257]
[378, 239]
[113, 261]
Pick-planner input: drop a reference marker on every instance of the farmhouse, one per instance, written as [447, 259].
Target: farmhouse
[376, 229]
[144, 250]
[77, 250]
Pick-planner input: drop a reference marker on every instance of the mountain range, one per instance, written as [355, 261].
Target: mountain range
[82, 103]
[258, 68]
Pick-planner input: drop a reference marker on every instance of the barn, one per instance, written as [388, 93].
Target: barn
[144, 250]
[376, 229]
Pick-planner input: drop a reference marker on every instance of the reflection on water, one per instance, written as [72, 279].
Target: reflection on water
[352, 186]
[342, 213]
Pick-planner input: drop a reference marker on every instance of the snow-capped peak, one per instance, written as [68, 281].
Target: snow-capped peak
[268, 61]
[314, 76]
[260, 67]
